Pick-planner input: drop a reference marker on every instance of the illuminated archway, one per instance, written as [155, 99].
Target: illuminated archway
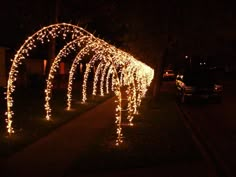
[133, 73]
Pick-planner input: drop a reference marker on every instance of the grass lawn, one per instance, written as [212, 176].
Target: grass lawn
[29, 121]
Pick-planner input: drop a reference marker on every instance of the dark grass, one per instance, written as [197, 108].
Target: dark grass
[157, 137]
[29, 121]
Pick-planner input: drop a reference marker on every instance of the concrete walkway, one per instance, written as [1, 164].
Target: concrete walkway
[52, 155]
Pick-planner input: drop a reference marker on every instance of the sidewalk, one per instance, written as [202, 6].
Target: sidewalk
[52, 155]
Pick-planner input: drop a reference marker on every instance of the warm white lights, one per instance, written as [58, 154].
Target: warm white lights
[106, 60]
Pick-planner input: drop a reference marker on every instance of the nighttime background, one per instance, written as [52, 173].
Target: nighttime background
[143, 28]
[157, 32]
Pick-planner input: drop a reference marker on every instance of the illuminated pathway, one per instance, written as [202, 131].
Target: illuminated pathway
[108, 60]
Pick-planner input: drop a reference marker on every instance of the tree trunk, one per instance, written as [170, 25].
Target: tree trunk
[158, 76]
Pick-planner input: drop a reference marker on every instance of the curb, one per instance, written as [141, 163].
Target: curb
[217, 166]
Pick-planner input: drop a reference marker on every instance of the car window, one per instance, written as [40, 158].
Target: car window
[201, 77]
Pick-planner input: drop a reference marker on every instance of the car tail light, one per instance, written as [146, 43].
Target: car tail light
[218, 88]
[189, 89]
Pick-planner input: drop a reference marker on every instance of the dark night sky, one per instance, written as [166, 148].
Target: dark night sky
[192, 23]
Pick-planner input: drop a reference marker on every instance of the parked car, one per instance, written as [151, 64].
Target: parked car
[199, 82]
[168, 74]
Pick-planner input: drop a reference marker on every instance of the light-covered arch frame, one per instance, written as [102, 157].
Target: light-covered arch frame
[72, 46]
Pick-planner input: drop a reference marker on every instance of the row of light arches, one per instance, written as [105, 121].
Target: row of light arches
[110, 63]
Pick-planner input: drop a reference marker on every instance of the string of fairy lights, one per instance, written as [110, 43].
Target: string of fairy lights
[113, 69]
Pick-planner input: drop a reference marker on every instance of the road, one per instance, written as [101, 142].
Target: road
[216, 125]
